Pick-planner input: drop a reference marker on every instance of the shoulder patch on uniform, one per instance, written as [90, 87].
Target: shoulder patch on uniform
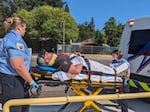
[20, 46]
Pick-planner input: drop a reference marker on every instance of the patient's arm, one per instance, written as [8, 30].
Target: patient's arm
[75, 69]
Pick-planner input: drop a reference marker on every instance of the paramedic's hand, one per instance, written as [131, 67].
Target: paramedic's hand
[34, 85]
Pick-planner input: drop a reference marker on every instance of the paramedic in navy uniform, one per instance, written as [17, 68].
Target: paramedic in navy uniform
[14, 63]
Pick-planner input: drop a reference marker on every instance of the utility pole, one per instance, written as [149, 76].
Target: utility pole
[63, 36]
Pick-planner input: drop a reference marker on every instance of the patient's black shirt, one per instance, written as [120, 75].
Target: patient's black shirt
[63, 63]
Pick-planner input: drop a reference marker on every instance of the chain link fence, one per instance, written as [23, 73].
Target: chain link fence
[85, 49]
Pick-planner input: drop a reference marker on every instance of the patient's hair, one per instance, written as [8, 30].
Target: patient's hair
[40, 58]
[120, 55]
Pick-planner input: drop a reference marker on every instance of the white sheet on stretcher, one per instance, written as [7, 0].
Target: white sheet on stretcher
[62, 76]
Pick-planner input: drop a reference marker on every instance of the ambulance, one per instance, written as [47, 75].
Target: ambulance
[135, 46]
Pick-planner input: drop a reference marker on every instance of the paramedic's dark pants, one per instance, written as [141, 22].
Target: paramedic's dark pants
[123, 103]
[12, 87]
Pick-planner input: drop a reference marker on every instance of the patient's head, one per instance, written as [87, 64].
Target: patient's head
[45, 58]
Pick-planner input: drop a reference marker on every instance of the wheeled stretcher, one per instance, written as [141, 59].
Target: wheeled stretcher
[78, 83]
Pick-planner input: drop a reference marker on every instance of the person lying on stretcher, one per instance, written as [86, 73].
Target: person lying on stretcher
[74, 64]
[60, 62]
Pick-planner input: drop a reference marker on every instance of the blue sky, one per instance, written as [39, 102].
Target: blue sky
[102, 10]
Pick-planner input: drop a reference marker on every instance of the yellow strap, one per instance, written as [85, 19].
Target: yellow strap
[53, 59]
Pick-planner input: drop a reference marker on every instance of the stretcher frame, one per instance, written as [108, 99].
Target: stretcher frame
[80, 87]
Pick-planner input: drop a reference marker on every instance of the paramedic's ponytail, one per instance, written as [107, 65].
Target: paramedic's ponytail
[12, 23]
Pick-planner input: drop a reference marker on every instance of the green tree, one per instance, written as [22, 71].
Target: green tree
[67, 8]
[99, 38]
[15, 5]
[113, 32]
[3, 13]
[87, 30]
[92, 25]
[48, 22]
[84, 31]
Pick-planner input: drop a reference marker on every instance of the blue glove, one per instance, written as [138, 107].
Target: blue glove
[34, 85]
[125, 83]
